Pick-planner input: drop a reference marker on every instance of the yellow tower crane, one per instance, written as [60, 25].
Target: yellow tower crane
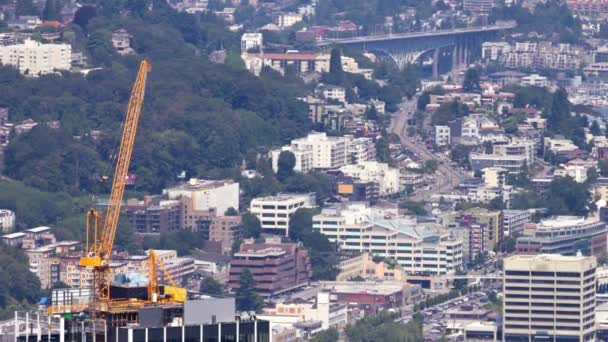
[99, 248]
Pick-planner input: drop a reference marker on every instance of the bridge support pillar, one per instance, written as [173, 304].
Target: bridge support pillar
[455, 53]
[461, 57]
[466, 54]
[436, 63]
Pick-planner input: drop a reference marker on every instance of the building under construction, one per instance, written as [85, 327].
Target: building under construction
[129, 307]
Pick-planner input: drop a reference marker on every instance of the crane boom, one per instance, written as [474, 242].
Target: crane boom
[99, 252]
[124, 159]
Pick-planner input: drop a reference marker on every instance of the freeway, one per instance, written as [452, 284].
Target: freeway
[447, 177]
[424, 34]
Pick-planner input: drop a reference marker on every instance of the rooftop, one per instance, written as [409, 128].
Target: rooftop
[195, 184]
[364, 287]
[38, 229]
[565, 221]
[13, 235]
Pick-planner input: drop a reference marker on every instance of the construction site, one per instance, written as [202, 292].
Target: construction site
[129, 307]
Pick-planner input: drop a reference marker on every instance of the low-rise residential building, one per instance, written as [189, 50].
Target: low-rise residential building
[289, 19]
[34, 59]
[577, 172]
[275, 212]
[442, 136]
[480, 161]
[534, 80]
[199, 196]
[252, 41]
[560, 146]
[7, 220]
[331, 92]
[514, 221]
[276, 267]
[363, 266]
[153, 216]
[322, 152]
[372, 297]
[388, 178]
[302, 315]
[535, 55]
[226, 230]
[491, 221]
[494, 177]
[121, 40]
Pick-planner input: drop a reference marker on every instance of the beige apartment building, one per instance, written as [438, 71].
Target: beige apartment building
[549, 297]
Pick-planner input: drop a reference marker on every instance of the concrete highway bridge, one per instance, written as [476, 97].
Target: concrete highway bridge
[406, 48]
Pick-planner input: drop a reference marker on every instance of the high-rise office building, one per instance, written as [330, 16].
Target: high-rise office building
[549, 297]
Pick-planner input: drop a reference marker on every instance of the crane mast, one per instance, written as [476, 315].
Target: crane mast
[99, 248]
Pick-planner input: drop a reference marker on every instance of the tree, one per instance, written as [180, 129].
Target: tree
[300, 223]
[286, 163]
[460, 284]
[448, 112]
[26, 7]
[328, 335]
[471, 80]
[246, 297]
[83, 16]
[416, 208]
[568, 197]
[595, 128]
[52, 10]
[251, 226]
[336, 74]
[231, 212]
[592, 175]
[371, 113]
[603, 165]
[211, 287]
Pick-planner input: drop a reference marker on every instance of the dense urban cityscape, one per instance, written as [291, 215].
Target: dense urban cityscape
[303, 170]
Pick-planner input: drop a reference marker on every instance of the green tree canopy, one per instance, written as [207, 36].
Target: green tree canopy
[246, 297]
[286, 163]
[211, 287]
[336, 74]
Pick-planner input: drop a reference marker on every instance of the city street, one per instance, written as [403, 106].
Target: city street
[447, 177]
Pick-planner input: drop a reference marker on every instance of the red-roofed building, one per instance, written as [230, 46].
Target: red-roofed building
[51, 23]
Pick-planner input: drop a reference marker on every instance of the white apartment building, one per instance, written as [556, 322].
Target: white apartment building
[317, 151]
[289, 19]
[7, 220]
[207, 194]
[361, 150]
[492, 51]
[517, 147]
[388, 178]
[535, 80]
[331, 92]
[549, 297]
[442, 135]
[416, 248]
[274, 212]
[251, 41]
[576, 172]
[514, 221]
[289, 313]
[494, 177]
[34, 58]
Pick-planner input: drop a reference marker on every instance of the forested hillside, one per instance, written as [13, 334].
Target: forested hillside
[198, 116]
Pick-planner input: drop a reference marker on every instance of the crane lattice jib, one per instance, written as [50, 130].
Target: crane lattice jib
[123, 161]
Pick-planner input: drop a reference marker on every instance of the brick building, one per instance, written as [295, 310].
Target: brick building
[276, 266]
